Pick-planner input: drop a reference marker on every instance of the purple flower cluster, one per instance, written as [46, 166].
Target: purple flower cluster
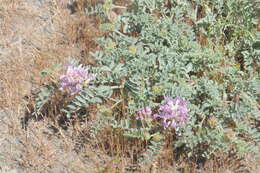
[144, 113]
[75, 78]
[174, 112]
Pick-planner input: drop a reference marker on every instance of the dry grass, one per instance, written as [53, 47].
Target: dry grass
[44, 146]
[27, 50]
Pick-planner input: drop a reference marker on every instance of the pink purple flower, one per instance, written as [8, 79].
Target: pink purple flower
[75, 78]
[144, 113]
[174, 112]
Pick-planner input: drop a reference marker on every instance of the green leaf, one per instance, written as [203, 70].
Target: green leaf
[256, 45]
[46, 72]
[72, 107]
[95, 100]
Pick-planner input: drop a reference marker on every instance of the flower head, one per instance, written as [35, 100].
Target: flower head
[174, 112]
[75, 78]
[144, 113]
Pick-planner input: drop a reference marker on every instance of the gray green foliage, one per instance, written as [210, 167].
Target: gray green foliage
[87, 96]
[203, 50]
[43, 97]
[153, 150]
[157, 55]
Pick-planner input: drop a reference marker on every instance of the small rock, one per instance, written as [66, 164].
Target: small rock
[37, 3]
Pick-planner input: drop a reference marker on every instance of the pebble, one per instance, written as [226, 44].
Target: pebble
[38, 3]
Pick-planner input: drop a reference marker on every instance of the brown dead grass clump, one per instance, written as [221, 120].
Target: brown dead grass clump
[34, 50]
[29, 49]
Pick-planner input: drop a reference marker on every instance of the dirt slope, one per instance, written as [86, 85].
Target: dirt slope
[30, 38]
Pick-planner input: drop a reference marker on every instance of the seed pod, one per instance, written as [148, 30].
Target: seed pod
[132, 50]
[229, 133]
[213, 121]
[157, 137]
[147, 136]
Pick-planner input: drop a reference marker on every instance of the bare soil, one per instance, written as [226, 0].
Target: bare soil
[31, 39]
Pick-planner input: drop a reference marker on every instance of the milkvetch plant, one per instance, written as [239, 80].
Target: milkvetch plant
[180, 72]
[158, 51]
